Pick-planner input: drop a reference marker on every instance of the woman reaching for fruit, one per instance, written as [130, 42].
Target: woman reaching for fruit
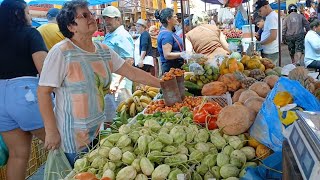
[170, 45]
[206, 38]
[79, 72]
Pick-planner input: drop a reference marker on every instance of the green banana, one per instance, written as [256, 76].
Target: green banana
[124, 117]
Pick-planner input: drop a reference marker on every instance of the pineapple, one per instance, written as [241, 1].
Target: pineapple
[257, 74]
[246, 82]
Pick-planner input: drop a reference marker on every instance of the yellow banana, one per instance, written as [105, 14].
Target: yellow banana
[138, 104]
[132, 110]
[152, 94]
[146, 87]
[145, 99]
[137, 93]
[122, 103]
[129, 101]
[144, 105]
[156, 90]
[124, 108]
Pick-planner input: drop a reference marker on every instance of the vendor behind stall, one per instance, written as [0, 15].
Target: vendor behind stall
[312, 46]
[206, 38]
[170, 45]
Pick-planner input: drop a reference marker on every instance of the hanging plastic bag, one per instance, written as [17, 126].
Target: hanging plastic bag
[267, 127]
[4, 154]
[110, 107]
[57, 165]
[239, 20]
[196, 68]
[270, 168]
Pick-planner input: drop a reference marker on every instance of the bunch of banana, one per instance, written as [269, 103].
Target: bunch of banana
[138, 101]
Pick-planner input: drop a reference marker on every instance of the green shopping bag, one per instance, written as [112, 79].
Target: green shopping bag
[57, 165]
[4, 154]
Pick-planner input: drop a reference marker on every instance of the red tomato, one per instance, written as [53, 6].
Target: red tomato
[212, 124]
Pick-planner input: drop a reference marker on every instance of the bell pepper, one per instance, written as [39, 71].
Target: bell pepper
[207, 114]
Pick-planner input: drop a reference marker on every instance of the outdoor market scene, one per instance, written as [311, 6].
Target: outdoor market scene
[159, 89]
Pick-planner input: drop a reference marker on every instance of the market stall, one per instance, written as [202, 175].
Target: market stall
[223, 118]
[219, 128]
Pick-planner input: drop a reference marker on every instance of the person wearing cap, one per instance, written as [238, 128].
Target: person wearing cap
[50, 32]
[269, 37]
[179, 31]
[120, 40]
[205, 38]
[143, 48]
[293, 31]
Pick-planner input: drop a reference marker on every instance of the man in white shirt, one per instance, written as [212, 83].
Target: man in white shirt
[269, 36]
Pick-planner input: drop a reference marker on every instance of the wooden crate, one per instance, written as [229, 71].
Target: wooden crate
[37, 157]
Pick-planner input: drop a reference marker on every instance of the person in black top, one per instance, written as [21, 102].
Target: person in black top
[22, 52]
[144, 60]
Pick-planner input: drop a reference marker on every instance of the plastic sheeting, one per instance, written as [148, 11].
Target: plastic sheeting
[61, 2]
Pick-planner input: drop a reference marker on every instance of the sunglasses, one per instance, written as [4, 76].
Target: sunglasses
[86, 15]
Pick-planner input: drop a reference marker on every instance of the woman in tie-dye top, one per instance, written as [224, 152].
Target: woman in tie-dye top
[79, 72]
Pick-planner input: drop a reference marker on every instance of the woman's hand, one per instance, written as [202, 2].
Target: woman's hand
[52, 140]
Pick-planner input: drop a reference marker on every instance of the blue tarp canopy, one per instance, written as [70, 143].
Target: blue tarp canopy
[274, 6]
[61, 2]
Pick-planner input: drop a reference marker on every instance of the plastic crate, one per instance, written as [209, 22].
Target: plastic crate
[234, 40]
[37, 157]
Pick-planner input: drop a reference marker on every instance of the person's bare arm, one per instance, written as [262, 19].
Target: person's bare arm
[52, 140]
[224, 42]
[38, 59]
[168, 55]
[128, 61]
[272, 37]
[138, 75]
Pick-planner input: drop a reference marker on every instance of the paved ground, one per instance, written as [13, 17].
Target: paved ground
[285, 57]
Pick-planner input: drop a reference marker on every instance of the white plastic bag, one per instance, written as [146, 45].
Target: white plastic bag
[57, 165]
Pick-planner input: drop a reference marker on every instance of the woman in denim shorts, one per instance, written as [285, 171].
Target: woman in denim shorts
[22, 54]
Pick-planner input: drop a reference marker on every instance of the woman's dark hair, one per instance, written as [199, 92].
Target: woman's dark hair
[164, 15]
[314, 23]
[12, 14]
[67, 15]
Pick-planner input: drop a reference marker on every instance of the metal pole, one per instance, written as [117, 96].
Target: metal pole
[279, 31]
[182, 24]
[205, 5]
[190, 19]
